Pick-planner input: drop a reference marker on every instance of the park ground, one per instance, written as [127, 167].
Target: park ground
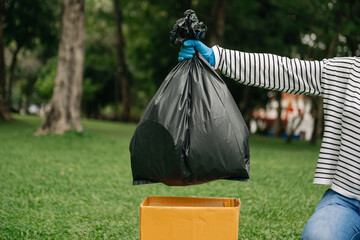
[79, 186]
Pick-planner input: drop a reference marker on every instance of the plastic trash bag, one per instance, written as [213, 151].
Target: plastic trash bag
[191, 132]
[187, 28]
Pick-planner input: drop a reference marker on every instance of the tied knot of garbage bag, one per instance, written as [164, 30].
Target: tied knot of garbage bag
[187, 28]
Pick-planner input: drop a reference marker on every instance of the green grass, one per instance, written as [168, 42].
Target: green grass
[79, 186]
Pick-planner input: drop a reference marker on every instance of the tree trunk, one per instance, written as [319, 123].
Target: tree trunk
[352, 45]
[65, 111]
[293, 129]
[3, 113]
[11, 77]
[319, 114]
[121, 69]
[217, 22]
[318, 121]
[185, 5]
[180, 6]
[278, 125]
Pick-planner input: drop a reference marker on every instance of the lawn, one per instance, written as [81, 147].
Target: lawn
[79, 186]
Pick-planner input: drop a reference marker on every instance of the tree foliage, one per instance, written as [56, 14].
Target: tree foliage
[305, 29]
[28, 25]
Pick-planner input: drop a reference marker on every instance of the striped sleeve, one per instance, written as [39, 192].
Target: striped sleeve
[270, 71]
[339, 158]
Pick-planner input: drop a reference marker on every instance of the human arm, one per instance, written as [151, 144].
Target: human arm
[270, 71]
[261, 70]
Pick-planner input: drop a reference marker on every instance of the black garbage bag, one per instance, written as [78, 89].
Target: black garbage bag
[191, 132]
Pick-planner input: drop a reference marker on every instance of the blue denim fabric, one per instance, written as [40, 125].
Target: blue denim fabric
[335, 218]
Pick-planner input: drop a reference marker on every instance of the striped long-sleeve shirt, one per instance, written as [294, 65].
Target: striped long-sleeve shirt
[337, 80]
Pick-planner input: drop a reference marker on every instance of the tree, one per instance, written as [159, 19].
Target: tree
[278, 124]
[121, 68]
[217, 22]
[3, 114]
[150, 56]
[260, 26]
[318, 114]
[336, 23]
[27, 24]
[66, 99]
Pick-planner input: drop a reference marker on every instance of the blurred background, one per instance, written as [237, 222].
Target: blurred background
[127, 54]
[101, 61]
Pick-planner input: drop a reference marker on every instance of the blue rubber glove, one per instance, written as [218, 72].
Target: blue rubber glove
[187, 51]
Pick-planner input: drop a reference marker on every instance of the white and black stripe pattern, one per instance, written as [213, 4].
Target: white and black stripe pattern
[337, 80]
[270, 71]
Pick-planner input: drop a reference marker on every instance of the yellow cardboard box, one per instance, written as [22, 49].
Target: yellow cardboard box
[189, 218]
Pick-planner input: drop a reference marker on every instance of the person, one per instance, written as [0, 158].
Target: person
[337, 80]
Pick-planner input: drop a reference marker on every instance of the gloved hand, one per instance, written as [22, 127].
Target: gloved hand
[188, 50]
